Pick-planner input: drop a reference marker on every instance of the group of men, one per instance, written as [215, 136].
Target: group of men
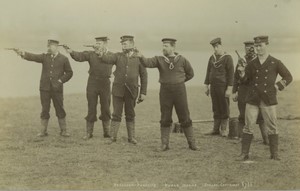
[253, 84]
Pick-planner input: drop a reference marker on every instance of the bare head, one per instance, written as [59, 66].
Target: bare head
[169, 46]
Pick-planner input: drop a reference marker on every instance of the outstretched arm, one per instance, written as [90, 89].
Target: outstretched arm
[39, 58]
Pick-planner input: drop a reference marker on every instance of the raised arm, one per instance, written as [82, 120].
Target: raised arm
[149, 62]
[39, 58]
[68, 72]
[80, 56]
[189, 72]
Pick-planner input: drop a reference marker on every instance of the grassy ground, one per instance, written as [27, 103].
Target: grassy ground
[28, 162]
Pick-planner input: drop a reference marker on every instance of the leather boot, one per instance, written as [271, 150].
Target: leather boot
[131, 132]
[165, 135]
[44, 126]
[105, 125]
[224, 125]
[264, 133]
[89, 130]
[273, 142]
[246, 143]
[216, 128]
[189, 134]
[63, 127]
[114, 128]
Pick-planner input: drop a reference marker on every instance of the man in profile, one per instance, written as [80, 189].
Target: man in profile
[98, 86]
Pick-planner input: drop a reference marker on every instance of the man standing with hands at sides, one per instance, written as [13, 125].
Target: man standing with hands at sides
[174, 71]
[56, 70]
[125, 88]
[219, 81]
[98, 85]
[240, 91]
[260, 74]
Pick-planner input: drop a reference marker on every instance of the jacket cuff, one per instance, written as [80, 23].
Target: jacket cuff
[281, 84]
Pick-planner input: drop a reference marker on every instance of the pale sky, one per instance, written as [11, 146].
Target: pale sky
[27, 24]
[193, 22]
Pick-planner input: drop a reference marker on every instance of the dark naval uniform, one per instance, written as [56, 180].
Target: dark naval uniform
[242, 89]
[56, 70]
[98, 86]
[262, 95]
[174, 71]
[125, 89]
[219, 76]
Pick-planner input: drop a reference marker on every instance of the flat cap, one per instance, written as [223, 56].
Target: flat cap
[126, 37]
[102, 38]
[260, 39]
[51, 41]
[216, 41]
[249, 43]
[172, 40]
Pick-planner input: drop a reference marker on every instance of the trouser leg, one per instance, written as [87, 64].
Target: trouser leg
[45, 97]
[105, 99]
[182, 111]
[118, 103]
[270, 122]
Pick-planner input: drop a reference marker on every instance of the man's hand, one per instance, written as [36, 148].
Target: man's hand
[207, 92]
[141, 98]
[228, 91]
[67, 48]
[235, 97]
[19, 52]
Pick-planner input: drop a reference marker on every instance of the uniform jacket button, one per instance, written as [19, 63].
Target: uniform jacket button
[265, 91]
[267, 70]
[266, 77]
[257, 70]
[256, 84]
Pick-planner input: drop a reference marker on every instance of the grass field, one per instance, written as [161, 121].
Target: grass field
[28, 162]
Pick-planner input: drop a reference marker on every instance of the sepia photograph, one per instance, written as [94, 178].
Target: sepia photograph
[149, 95]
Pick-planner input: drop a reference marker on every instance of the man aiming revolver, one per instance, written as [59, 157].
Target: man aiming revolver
[56, 70]
[98, 85]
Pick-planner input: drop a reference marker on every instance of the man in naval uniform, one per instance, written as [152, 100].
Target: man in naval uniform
[125, 90]
[56, 70]
[98, 86]
[174, 71]
[219, 82]
[260, 74]
[240, 90]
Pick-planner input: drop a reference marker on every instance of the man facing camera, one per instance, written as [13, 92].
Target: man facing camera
[260, 74]
[56, 70]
